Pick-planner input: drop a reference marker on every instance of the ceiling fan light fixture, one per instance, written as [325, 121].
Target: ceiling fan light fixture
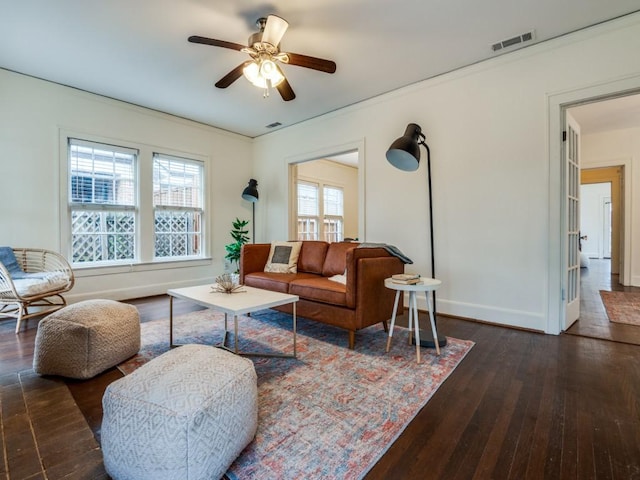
[274, 30]
[263, 70]
[263, 73]
[268, 69]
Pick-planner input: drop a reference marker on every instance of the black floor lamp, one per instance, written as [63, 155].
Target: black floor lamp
[250, 194]
[404, 153]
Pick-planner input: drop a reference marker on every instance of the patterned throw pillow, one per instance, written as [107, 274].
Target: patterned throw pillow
[283, 257]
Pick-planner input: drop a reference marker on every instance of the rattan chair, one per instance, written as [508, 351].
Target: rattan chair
[42, 292]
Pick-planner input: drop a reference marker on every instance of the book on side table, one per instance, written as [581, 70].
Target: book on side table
[406, 278]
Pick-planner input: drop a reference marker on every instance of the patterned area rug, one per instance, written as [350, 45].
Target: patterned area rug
[329, 413]
[622, 307]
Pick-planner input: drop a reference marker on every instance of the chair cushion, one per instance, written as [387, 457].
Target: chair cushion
[37, 283]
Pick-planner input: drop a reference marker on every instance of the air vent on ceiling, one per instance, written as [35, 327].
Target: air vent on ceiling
[274, 125]
[510, 42]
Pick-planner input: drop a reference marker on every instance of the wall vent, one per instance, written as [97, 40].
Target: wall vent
[510, 42]
[274, 125]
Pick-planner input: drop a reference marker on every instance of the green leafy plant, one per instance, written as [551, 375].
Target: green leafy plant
[240, 235]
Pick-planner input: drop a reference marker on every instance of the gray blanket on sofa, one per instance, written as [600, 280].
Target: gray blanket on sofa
[393, 250]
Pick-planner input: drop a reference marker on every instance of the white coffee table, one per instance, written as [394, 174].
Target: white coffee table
[245, 301]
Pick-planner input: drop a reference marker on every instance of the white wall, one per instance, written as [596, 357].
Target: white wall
[488, 129]
[621, 147]
[33, 112]
[335, 174]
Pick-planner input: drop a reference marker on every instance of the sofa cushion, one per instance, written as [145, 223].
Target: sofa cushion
[319, 289]
[283, 257]
[312, 256]
[277, 282]
[335, 263]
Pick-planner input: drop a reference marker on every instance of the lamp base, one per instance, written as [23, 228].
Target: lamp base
[426, 339]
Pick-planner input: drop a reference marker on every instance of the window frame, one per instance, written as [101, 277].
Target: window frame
[321, 218]
[144, 259]
[105, 207]
[199, 210]
[308, 218]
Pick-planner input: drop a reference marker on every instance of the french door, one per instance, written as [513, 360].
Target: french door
[572, 205]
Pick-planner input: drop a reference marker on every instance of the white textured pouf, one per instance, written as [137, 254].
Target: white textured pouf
[86, 338]
[185, 415]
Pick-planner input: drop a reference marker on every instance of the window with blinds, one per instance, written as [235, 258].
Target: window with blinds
[102, 202]
[308, 211]
[178, 206]
[128, 205]
[333, 217]
[320, 212]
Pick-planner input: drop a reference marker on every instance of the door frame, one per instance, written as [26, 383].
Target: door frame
[557, 104]
[291, 161]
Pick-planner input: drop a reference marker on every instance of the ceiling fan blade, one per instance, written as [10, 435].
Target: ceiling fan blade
[314, 63]
[232, 76]
[274, 30]
[215, 43]
[285, 90]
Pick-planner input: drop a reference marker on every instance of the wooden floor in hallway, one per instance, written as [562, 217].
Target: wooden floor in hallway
[593, 321]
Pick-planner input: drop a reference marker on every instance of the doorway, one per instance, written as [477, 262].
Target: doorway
[613, 177]
[325, 199]
[606, 236]
[613, 94]
[595, 221]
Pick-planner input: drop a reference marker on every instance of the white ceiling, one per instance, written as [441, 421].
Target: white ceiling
[137, 50]
[606, 115]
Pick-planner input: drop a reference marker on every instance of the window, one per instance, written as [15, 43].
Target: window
[308, 211]
[102, 202]
[131, 206]
[333, 214]
[320, 215]
[177, 203]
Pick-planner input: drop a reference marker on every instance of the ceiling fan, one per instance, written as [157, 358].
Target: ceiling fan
[264, 49]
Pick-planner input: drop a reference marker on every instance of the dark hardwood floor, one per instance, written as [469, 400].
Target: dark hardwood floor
[593, 321]
[521, 405]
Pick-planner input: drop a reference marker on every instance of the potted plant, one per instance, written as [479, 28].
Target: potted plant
[240, 235]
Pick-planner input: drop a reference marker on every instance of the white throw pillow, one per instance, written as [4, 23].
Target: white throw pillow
[283, 257]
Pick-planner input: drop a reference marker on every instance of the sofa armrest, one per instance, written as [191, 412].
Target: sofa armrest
[366, 270]
[253, 258]
[374, 301]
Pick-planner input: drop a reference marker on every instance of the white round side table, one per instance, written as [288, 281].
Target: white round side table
[426, 285]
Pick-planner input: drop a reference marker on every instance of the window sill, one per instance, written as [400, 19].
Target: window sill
[93, 271]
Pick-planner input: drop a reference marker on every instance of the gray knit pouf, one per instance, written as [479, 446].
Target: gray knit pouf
[86, 338]
[187, 414]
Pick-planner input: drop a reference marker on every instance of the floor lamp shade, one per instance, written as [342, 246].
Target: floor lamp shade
[250, 193]
[404, 152]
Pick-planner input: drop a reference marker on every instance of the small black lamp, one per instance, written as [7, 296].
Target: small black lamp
[404, 153]
[250, 194]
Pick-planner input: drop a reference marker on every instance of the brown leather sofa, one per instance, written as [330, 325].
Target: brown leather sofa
[362, 301]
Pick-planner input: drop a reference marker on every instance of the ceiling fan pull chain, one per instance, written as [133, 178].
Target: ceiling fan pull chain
[267, 88]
